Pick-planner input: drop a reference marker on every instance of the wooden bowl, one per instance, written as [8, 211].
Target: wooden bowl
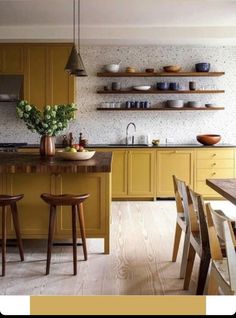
[83, 155]
[172, 68]
[208, 140]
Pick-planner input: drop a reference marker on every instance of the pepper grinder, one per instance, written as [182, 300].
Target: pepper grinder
[71, 139]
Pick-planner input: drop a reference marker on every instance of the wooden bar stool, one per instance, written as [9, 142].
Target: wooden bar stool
[76, 203]
[7, 200]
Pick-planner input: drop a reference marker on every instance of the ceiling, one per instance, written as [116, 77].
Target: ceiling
[120, 21]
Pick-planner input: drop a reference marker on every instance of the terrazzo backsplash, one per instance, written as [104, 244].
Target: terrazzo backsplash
[176, 126]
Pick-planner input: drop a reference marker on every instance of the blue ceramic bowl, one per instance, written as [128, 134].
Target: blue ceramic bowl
[163, 85]
[174, 86]
[202, 67]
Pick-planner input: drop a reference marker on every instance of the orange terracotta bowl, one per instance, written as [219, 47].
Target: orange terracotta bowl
[208, 140]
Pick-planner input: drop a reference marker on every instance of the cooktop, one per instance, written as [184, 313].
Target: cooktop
[12, 144]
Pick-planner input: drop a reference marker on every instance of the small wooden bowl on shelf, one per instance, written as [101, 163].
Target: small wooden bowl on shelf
[208, 140]
[172, 68]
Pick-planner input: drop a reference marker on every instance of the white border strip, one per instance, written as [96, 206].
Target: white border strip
[220, 305]
[15, 305]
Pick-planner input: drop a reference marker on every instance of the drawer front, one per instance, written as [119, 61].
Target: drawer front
[215, 154]
[215, 164]
[203, 174]
[203, 189]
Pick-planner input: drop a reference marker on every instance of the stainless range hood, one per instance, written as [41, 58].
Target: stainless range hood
[11, 88]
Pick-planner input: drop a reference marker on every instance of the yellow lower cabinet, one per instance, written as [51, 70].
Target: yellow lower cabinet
[33, 212]
[96, 207]
[141, 173]
[119, 173]
[213, 164]
[173, 162]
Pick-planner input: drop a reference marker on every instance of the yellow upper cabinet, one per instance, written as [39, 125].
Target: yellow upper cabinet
[60, 84]
[43, 66]
[141, 173]
[46, 82]
[36, 75]
[11, 59]
[173, 162]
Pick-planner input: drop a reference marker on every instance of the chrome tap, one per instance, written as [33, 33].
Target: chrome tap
[127, 133]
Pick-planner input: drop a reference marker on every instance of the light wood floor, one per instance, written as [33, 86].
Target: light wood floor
[139, 264]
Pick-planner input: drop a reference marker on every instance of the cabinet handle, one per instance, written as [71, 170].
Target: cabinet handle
[214, 154]
[213, 173]
[214, 164]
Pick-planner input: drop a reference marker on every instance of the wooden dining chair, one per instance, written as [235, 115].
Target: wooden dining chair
[182, 223]
[223, 269]
[199, 241]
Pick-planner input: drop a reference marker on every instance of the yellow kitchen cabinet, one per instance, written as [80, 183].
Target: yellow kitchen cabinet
[141, 173]
[60, 86]
[36, 75]
[11, 59]
[96, 207]
[119, 173]
[3, 190]
[173, 162]
[33, 212]
[213, 164]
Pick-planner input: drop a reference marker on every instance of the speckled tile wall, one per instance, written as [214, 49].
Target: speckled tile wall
[181, 127]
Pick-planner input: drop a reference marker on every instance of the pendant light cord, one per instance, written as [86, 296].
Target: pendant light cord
[78, 25]
[74, 21]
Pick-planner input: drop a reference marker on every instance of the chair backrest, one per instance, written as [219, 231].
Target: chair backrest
[197, 216]
[216, 253]
[181, 197]
[231, 255]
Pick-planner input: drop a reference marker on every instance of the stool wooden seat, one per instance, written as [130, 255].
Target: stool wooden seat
[8, 200]
[76, 203]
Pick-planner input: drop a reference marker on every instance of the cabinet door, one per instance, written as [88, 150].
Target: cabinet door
[36, 75]
[119, 173]
[3, 190]
[11, 59]
[174, 162]
[141, 173]
[96, 208]
[60, 84]
[33, 212]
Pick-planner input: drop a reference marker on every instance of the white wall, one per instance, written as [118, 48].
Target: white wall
[109, 127]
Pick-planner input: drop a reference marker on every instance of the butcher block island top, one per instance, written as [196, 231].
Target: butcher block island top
[31, 175]
[33, 163]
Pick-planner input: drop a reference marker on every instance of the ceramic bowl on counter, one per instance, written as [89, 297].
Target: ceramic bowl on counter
[202, 67]
[79, 155]
[194, 104]
[176, 103]
[208, 140]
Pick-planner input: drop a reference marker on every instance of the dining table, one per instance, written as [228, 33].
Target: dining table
[225, 187]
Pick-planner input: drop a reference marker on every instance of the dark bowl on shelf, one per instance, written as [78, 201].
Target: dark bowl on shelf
[202, 67]
[208, 140]
[163, 85]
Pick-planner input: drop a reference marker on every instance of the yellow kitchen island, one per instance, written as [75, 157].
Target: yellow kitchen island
[31, 175]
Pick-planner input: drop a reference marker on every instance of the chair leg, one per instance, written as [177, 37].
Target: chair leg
[50, 236]
[82, 229]
[202, 276]
[74, 236]
[178, 232]
[4, 240]
[17, 229]
[185, 255]
[189, 268]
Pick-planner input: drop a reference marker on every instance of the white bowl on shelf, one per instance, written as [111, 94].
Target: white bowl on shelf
[142, 88]
[176, 103]
[194, 104]
[113, 68]
[79, 155]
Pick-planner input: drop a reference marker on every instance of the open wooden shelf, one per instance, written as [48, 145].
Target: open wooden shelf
[155, 91]
[161, 74]
[161, 109]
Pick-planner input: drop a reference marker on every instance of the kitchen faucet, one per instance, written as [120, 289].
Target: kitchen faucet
[127, 133]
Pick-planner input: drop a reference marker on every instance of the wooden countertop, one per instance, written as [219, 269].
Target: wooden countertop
[33, 163]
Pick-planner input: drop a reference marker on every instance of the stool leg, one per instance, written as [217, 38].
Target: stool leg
[17, 229]
[50, 236]
[74, 236]
[82, 229]
[4, 240]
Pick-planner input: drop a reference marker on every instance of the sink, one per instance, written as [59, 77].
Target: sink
[129, 145]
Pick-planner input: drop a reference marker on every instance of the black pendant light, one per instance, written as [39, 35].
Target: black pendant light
[75, 65]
